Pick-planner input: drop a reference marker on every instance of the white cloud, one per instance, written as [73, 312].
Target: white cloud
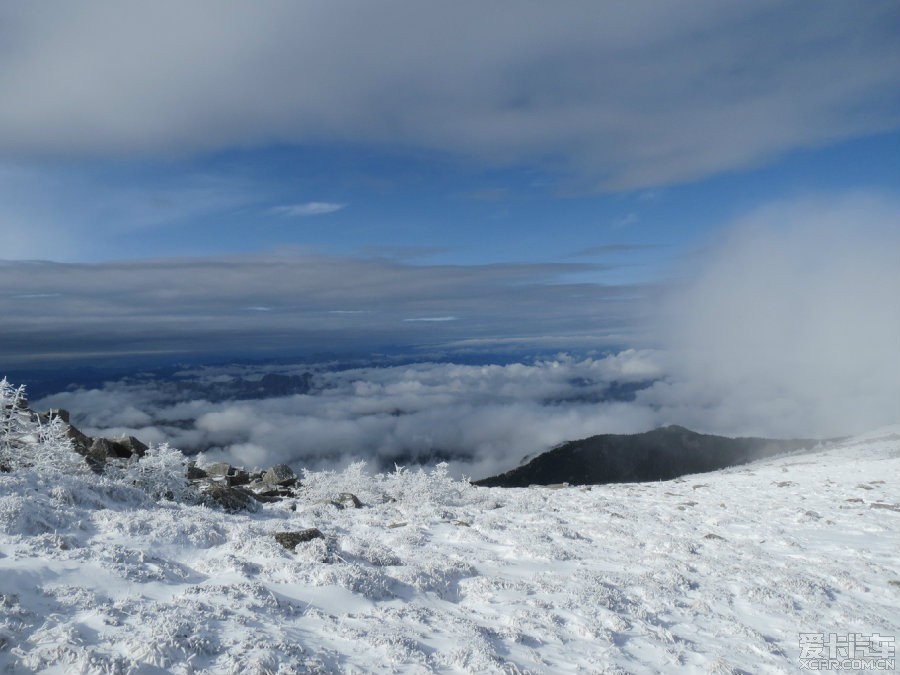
[307, 209]
[636, 94]
[273, 303]
[789, 323]
[432, 319]
[487, 417]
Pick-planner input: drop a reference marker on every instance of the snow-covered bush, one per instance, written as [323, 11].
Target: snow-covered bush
[14, 420]
[42, 443]
[53, 451]
[434, 486]
[162, 473]
[323, 486]
[413, 488]
[27, 441]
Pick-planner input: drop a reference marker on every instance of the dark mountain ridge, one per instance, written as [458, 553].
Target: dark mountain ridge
[661, 454]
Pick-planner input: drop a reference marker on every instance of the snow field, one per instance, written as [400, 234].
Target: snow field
[714, 573]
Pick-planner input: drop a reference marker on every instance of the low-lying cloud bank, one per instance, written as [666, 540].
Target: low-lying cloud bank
[483, 418]
[789, 324]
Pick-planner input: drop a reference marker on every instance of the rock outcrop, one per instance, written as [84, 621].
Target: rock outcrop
[230, 486]
[230, 499]
[661, 454]
[290, 540]
[221, 484]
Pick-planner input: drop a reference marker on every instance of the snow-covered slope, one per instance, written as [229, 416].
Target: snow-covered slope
[716, 573]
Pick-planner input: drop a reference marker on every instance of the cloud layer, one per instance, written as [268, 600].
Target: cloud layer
[636, 94]
[789, 323]
[484, 418]
[294, 303]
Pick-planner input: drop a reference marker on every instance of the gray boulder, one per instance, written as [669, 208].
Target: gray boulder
[61, 413]
[194, 472]
[219, 469]
[237, 477]
[348, 500]
[103, 449]
[232, 476]
[131, 445]
[290, 539]
[81, 443]
[280, 474]
[230, 499]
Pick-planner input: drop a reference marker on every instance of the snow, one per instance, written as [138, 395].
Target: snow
[714, 573]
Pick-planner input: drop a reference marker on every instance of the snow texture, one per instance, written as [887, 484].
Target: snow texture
[716, 573]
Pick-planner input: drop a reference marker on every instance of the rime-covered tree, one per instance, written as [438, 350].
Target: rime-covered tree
[28, 441]
[15, 420]
[162, 473]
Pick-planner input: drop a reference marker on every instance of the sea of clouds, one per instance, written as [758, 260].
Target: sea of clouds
[787, 325]
[483, 418]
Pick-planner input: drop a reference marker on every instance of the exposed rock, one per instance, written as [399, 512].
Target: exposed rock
[268, 498]
[280, 474]
[661, 454]
[218, 469]
[346, 500]
[273, 492]
[97, 450]
[231, 499]
[221, 484]
[103, 449]
[233, 476]
[226, 486]
[232, 487]
[194, 472]
[81, 443]
[237, 477]
[290, 539]
[132, 445]
[55, 412]
[349, 500]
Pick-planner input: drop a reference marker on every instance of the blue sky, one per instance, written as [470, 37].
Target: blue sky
[424, 208]
[583, 153]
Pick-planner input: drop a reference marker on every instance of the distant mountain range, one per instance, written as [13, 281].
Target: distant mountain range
[661, 454]
[236, 389]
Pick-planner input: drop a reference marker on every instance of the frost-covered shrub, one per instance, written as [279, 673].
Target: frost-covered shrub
[14, 421]
[434, 486]
[28, 442]
[162, 473]
[54, 451]
[421, 486]
[323, 486]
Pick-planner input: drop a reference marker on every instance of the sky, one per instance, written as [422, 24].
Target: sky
[716, 181]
